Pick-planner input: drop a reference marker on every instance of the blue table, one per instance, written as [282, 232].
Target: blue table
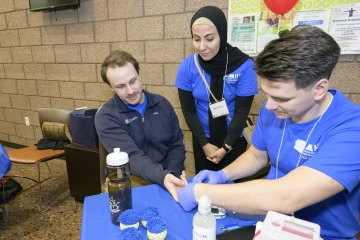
[96, 220]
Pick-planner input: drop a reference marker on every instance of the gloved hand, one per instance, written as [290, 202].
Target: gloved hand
[187, 198]
[210, 177]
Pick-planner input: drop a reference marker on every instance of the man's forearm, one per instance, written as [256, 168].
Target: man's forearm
[286, 195]
[255, 197]
[245, 165]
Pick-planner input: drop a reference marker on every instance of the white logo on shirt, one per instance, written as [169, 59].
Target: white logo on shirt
[232, 78]
[308, 151]
[127, 121]
[236, 75]
[309, 148]
[299, 145]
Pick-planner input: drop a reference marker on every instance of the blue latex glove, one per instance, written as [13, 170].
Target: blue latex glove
[210, 177]
[187, 198]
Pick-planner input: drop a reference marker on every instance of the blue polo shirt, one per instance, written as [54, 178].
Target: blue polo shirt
[241, 82]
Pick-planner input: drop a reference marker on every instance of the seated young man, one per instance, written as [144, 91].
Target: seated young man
[142, 124]
[310, 134]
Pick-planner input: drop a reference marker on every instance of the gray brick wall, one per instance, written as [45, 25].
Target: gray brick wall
[49, 60]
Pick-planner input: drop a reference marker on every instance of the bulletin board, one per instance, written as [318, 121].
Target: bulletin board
[251, 24]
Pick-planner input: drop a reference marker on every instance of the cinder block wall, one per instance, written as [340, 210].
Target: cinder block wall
[50, 59]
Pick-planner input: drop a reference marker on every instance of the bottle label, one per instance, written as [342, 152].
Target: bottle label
[120, 197]
[204, 233]
[114, 205]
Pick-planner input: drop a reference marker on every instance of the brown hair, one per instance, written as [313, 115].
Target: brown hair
[117, 59]
[305, 55]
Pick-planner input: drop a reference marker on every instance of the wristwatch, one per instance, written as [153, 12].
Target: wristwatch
[227, 150]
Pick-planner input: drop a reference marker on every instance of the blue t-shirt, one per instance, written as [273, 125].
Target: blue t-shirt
[333, 148]
[139, 107]
[5, 163]
[241, 82]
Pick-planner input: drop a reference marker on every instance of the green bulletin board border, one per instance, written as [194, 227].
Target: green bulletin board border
[256, 6]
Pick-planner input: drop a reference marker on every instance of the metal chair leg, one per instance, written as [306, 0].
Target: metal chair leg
[40, 192]
[38, 181]
[42, 211]
[50, 175]
[32, 179]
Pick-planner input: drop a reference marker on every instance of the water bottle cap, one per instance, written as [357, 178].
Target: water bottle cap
[117, 158]
[204, 205]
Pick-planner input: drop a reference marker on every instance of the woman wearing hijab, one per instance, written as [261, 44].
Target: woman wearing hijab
[229, 73]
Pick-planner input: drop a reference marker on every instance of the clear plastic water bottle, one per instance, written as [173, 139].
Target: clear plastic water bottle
[117, 164]
[204, 223]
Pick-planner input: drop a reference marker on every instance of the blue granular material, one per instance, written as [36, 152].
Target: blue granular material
[130, 234]
[129, 217]
[149, 213]
[156, 225]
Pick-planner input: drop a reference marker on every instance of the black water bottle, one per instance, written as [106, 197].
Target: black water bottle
[117, 164]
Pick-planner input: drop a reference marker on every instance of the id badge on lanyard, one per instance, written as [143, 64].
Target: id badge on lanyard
[219, 109]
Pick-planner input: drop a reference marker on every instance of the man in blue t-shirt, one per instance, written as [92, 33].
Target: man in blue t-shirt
[308, 132]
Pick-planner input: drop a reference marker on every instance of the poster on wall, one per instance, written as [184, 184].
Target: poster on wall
[318, 18]
[269, 26]
[243, 32]
[345, 26]
[320, 13]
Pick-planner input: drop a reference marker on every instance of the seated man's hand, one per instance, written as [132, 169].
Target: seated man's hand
[183, 177]
[173, 184]
[187, 198]
[210, 177]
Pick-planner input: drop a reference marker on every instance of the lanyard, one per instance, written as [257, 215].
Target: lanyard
[307, 139]
[207, 85]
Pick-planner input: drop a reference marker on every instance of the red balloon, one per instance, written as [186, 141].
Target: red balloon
[280, 6]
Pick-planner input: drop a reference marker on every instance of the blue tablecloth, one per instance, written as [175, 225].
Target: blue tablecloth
[96, 220]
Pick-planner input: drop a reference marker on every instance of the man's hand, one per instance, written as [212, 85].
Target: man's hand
[209, 150]
[187, 198]
[210, 177]
[183, 177]
[218, 155]
[174, 184]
